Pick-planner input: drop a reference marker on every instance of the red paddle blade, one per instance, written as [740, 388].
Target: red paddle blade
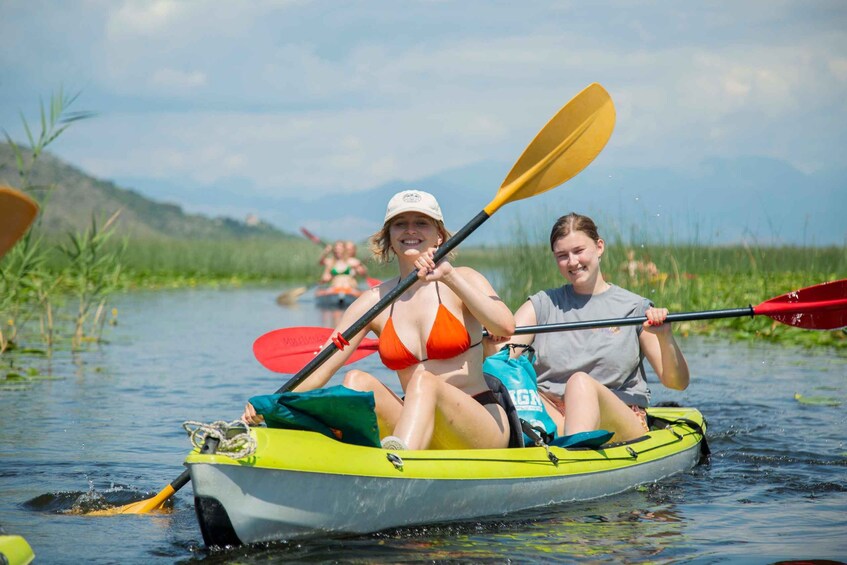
[310, 236]
[819, 307]
[287, 350]
[372, 283]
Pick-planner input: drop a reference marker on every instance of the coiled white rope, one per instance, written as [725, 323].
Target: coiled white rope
[235, 445]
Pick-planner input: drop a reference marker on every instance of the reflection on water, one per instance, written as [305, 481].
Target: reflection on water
[105, 427]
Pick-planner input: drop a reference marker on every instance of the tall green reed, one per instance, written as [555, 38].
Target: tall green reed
[27, 286]
[93, 274]
[179, 262]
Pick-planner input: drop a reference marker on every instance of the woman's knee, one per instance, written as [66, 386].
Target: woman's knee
[360, 380]
[581, 383]
[422, 383]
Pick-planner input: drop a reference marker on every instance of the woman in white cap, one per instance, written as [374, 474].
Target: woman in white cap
[431, 335]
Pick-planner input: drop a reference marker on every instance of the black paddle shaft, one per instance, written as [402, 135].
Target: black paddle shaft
[383, 303]
[636, 321]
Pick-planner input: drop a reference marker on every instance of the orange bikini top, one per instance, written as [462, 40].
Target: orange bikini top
[447, 339]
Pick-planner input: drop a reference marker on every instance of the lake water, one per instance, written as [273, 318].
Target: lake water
[109, 426]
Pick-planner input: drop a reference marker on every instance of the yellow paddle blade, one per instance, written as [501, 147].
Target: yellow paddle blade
[565, 146]
[140, 507]
[291, 296]
[17, 211]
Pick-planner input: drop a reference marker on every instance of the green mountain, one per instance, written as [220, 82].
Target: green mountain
[69, 197]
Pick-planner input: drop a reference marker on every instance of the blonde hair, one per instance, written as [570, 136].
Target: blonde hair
[380, 242]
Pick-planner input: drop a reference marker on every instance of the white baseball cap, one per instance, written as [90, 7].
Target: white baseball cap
[413, 201]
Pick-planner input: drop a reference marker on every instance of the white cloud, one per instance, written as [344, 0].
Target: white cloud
[838, 68]
[175, 79]
[295, 97]
[145, 18]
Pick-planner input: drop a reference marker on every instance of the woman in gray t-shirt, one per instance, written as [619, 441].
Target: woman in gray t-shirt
[595, 376]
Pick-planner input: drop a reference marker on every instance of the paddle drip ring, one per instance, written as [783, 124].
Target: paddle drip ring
[339, 341]
[230, 443]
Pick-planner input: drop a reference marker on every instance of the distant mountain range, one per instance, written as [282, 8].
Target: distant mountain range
[76, 196]
[751, 200]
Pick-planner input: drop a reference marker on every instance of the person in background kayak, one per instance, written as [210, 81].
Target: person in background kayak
[594, 379]
[341, 267]
[431, 336]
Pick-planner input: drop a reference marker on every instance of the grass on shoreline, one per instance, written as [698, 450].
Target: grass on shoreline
[698, 277]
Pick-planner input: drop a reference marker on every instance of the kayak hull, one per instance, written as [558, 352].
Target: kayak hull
[321, 486]
[336, 298]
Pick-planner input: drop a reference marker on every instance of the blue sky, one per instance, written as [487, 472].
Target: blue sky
[237, 107]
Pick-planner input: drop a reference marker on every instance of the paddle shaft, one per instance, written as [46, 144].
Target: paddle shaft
[766, 308]
[312, 237]
[209, 446]
[383, 303]
[636, 321]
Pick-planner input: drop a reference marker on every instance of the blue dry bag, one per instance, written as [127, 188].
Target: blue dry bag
[519, 377]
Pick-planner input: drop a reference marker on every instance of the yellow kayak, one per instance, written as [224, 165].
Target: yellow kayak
[299, 483]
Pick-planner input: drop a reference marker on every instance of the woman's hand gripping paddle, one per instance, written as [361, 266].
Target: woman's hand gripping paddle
[819, 307]
[563, 147]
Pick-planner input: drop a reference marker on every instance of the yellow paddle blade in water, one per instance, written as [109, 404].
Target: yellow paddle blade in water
[565, 146]
[140, 507]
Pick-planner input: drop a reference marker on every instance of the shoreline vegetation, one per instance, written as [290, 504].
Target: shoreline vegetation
[55, 289]
[687, 278]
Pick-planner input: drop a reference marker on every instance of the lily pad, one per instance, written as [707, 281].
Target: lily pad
[816, 400]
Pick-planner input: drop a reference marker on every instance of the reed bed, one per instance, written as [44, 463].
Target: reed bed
[155, 263]
[694, 278]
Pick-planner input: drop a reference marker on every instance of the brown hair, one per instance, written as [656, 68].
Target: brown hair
[381, 241]
[571, 223]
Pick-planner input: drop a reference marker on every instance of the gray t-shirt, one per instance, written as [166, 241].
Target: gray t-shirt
[610, 355]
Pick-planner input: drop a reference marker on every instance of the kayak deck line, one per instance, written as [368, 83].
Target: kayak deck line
[565, 456]
[281, 449]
